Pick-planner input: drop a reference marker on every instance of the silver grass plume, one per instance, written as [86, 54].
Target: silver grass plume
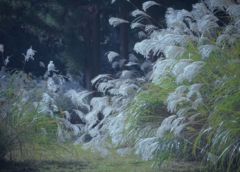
[146, 147]
[234, 10]
[180, 65]
[173, 51]
[219, 4]
[138, 12]
[116, 21]
[133, 58]
[148, 4]
[190, 71]
[141, 15]
[149, 28]
[135, 24]
[205, 50]
[79, 98]
[100, 78]
[141, 35]
[111, 55]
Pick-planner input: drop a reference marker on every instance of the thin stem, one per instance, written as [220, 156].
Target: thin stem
[150, 16]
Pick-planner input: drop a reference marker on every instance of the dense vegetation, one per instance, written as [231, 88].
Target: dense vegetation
[179, 100]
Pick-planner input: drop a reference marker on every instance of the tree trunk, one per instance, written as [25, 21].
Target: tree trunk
[88, 57]
[123, 32]
[96, 54]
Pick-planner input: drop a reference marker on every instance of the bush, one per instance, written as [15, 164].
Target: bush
[23, 131]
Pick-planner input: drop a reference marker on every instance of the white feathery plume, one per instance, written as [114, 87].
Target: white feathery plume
[52, 87]
[142, 35]
[199, 10]
[237, 25]
[111, 55]
[182, 14]
[114, 91]
[80, 114]
[2, 48]
[121, 62]
[173, 101]
[41, 64]
[178, 129]
[51, 67]
[149, 28]
[75, 128]
[125, 89]
[98, 144]
[115, 126]
[113, 1]
[180, 65]
[161, 68]
[104, 86]
[207, 23]
[190, 71]
[147, 64]
[196, 103]
[148, 4]
[175, 123]
[107, 111]
[91, 118]
[165, 125]
[80, 139]
[134, 25]
[114, 21]
[100, 78]
[155, 33]
[144, 47]
[194, 27]
[222, 39]
[79, 99]
[132, 58]
[219, 4]
[172, 39]
[131, 64]
[45, 104]
[176, 98]
[173, 51]
[192, 117]
[205, 50]
[194, 89]
[138, 12]
[115, 65]
[180, 90]
[229, 29]
[99, 103]
[183, 111]
[234, 10]
[6, 61]
[171, 16]
[146, 147]
[30, 54]
[126, 74]
[67, 115]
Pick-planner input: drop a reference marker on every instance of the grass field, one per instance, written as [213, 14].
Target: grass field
[87, 161]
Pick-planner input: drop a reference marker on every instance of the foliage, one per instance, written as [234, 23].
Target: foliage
[22, 128]
[191, 92]
[31, 122]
